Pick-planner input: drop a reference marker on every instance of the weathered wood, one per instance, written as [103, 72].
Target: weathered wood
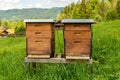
[77, 27]
[77, 40]
[58, 56]
[77, 47]
[27, 66]
[39, 46]
[77, 34]
[51, 60]
[78, 57]
[91, 61]
[39, 34]
[38, 56]
[54, 60]
[52, 47]
[39, 26]
[77, 51]
[39, 39]
[34, 66]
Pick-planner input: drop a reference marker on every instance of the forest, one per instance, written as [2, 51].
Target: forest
[99, 10]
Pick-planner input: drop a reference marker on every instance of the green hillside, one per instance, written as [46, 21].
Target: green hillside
[36, 13]
[106, 58]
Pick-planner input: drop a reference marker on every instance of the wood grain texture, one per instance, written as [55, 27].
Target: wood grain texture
[77, 40]
[39, 34]
[77, 27]
[39, 46]
[40, 39]
[57, 60]
[77, 47]
[38, 56]
[40, 26]
[78, 57]
[77, 34]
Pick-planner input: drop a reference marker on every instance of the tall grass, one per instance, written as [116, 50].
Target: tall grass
[59, 41]
[106, 57]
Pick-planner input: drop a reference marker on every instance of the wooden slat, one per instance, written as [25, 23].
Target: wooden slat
[39, 26]
[78, 42]
[77, 34]
[38, 56]
[77, 47]
[77, 26]
[39, 34]
[54, 60]
[51, 60]
[77, 57]
[39, 46]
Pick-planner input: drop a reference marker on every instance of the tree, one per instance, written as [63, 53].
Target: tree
[61, 16]
[96, 9]
[93, 8]
[20, 28]
[5, 25]
[102, 9]
[111, 15]
[113, 3]
[0, 22]
[118, 8]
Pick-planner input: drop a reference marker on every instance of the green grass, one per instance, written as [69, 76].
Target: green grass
[106, 56]
[59, 41]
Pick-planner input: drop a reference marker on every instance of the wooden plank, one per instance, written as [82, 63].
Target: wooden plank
[27, 66]
[38, 34]
[77, 26]
[51, 60]
[54, 60]
[77, 47]
[77, 34]
[39, 26]
[77, 57]
[38, 56]
[58, 55]
[39, 46]
[78, 42]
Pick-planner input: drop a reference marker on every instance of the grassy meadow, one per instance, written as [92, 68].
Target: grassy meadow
[106, 58]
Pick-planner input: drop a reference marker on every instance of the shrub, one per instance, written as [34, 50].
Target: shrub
[20, 28]
[111, 15]
[118, 9]
[5, 25]
[98, 18]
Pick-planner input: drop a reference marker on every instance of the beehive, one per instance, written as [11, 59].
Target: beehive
[40, 38]
[78, 38]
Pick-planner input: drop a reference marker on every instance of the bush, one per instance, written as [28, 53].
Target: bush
[5, 25]
[111, 15]
[98, 18]
[20, 28]
[118, 9]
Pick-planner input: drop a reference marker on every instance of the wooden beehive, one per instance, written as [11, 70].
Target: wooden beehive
[40, 38]
[78, 38]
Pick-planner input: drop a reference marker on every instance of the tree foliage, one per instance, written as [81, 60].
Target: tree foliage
[20, 28]
[118, 8]
[5, 25]
[0, 22]
[96, 9]
[111, 15]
